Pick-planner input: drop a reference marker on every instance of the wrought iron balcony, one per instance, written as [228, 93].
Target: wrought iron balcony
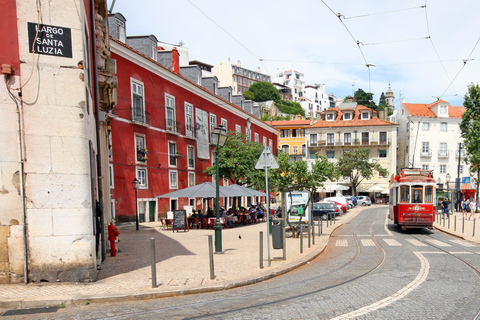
[139, 115]
[443, 154]
[173, 126]
[426, 154]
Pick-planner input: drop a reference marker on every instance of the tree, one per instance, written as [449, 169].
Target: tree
[233, 162]
[249, 95]
[470, 127]
[365, 99]
[297, 176]
[290, 107]
[358, 166]
[263, 91]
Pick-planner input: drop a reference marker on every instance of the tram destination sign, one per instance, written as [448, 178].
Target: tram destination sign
[49, 40]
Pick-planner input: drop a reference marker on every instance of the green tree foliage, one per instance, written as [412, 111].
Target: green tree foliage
[249, 95]
[290, 107]
[357, 165]
[237, 159]
[365, 99]
[470, 127]
[263, 91]
[297, 176]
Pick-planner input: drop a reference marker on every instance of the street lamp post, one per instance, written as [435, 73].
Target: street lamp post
[447, 178]
[219, 136]
[135, 184]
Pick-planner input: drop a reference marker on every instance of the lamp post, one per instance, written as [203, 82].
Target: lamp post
[135, 184]
[219, 136]
[447, 178]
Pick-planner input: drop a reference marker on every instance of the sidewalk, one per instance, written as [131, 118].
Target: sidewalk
[182, 265]
[459, 226]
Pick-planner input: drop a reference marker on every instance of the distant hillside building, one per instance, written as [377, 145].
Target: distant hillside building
[237, 77]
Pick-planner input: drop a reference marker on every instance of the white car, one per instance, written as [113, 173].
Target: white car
[364, 201]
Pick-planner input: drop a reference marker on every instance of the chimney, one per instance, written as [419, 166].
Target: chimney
[311, 117]
[239, 64]
[175, 63]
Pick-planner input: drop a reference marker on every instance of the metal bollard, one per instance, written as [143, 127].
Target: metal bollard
[455, 224]
[210, 255]
[261, 249]
[320, 226]
[449, 222]
[313, 232]
[309, 237]
[473, 233]
[154, 263]
[301, 239]
[463, 225]
[444, 220]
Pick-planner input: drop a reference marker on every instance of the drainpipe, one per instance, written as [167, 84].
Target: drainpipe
[21, 147]
[97, 127]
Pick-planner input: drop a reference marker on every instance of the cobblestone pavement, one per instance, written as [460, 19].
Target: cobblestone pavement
[369, 270]
[182, 266]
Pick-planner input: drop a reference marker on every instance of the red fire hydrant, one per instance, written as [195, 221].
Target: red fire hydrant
[112, 236]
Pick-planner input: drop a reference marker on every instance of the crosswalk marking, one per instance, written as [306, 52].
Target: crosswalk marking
[393, 243]
[367, 242]
[417, 243]
[341, 243]
[464, 243]
[438, 243]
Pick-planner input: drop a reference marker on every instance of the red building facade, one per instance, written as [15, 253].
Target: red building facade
[160, 133]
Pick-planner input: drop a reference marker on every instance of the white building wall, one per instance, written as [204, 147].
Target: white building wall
[57, 131]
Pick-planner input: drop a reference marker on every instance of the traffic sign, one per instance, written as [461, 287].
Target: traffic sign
[267, 159]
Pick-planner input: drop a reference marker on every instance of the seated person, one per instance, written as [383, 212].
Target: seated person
[201, 218]
[259, 213]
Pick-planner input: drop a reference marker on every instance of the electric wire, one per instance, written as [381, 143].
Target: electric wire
[379, 13]
[229, 34]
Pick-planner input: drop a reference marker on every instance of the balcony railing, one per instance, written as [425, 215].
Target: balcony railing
[462, 154]
[190, 131]
[173, 126]
[426, 154]
[139, 115]
[443, 154]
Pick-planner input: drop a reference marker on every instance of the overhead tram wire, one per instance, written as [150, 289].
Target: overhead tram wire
[384, 12]
[230, 35]
[435, 49]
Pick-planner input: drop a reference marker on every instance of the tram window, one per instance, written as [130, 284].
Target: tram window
[417, 195]
[429, 194]
[404, 194]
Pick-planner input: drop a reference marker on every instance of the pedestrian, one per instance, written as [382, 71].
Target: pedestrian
[464, 209]
[445, 204]
[467, 208]
[472, 205]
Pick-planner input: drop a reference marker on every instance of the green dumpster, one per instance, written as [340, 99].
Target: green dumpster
[276, 230]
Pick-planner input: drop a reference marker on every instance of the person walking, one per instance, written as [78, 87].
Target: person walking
[445, 204]
[472, 206]
[464, 207]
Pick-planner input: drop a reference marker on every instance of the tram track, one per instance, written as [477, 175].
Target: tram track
[282, 288]
[476, 271]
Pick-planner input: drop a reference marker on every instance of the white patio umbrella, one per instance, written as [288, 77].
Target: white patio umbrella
[246, 192]
[203, 190]
[375, 189]
[340, 187]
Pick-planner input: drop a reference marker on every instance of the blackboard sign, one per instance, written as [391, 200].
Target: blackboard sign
[180, 220]
[50, 40]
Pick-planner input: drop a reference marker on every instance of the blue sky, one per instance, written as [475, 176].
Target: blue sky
[424, 49]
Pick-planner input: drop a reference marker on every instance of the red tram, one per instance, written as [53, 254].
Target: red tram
[412, 199]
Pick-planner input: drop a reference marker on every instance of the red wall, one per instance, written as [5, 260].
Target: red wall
[123, 139]
[9, 54]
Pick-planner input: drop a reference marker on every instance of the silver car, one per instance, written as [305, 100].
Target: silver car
[363, 200]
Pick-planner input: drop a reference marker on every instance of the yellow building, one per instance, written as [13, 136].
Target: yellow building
[292, 138]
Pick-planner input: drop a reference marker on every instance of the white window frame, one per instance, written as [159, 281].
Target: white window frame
[170, 114]
[295, 149]
[238, 128]
[264, 141]
[111, 181]
[330, 116]
[224, 123]
[425, 147]
[139, 138]
[142, 177]
[330, 139]
[191, 179]
[380, 135]
[443, 109]
[172, 154]
[347, 116]
[345, 142]
[426, 126]
[443, 126]
[443, 148]
[361, 138]
[135, 87]
[270, 144]
[257, 137]
[365, 115]
[173, 179]
[443, 168]
[212, 119]
[190, 156]
[424, 166]
[248, 133]
[189, 120]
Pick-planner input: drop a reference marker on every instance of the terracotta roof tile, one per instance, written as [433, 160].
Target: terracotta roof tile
[425, 110]
[355, 122]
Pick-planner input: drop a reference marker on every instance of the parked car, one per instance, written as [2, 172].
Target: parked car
[354, 200]
[340, 206]
[326, 210]
[341, 200]
[364, 200]
[350, 201]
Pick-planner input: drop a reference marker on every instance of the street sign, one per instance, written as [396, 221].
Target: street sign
[267, 159]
